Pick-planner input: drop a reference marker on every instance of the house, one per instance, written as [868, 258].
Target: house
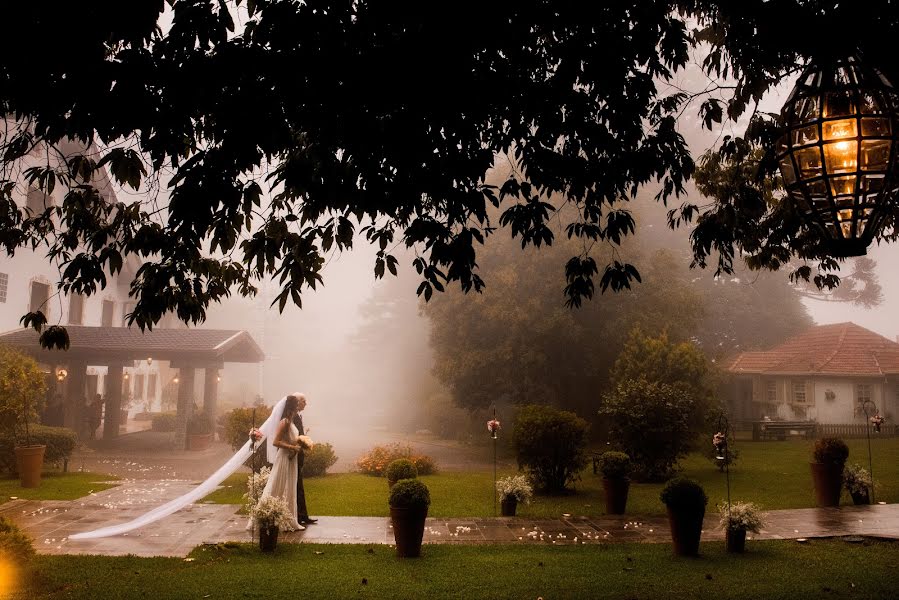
[825, 374]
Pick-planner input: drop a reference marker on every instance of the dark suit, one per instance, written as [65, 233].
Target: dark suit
[302, 511]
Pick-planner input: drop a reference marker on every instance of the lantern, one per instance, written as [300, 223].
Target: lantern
[838, 151]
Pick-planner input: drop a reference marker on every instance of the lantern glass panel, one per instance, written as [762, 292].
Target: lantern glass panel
[841, 157]
[809, 162]
[807, 110]
[875, 155]
[805, 135]
[876, 127]
[870, 103]
[786, 169]
[839, 130]
[872, 183]
[842, 185]
[838, 104]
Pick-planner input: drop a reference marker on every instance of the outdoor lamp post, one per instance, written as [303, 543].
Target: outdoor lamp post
[838, 151]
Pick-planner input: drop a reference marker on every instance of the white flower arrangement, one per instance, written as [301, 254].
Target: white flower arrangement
[742, 515]
[255, 486]
[517, 486]
[857, 479]
[271, 511]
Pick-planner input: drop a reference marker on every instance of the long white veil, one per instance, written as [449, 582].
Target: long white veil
[204, 489]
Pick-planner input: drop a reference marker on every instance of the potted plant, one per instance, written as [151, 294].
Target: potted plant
[22, 389]
[685, 501]
[401, 468]
[199, 432]
[271, 513]
[513, 490]
[830, 456]
[616, 468]
[740, 518]
[409, 501]
[858, 483]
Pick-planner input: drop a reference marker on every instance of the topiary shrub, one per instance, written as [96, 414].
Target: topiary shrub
[401, 468]
[551, 445]
[654, 423]
[409, 493]
[239, 421]
[831, 451]
[318, 460]
[682, 494]
[615, 465]
[424, 464]
[60, 443]
[15, 545]
[164, 422]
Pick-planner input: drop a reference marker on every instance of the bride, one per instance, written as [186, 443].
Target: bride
[282, 481]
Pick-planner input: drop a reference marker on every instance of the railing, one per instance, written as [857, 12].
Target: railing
[855, 430]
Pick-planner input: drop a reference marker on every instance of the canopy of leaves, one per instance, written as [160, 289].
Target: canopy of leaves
[22, 388]
[280, 127]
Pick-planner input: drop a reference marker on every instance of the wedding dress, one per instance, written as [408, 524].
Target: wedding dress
[207, 487]
[282, 481]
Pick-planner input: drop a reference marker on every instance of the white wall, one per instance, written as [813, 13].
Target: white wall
[841, 408]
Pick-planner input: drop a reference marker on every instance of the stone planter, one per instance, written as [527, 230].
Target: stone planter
[408, 530]
[861, 498]
[828, 480]
[30, 463]
[508, 505]
[686, 529]
[199, 441]
[616, 494]
[736, 540]
[268, 538]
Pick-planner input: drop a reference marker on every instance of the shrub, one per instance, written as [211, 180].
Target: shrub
[376, 460]
[831, 451]
[409, 493]
[164, 422]
[22, 390]
[857, 480]
[15, 545]
[401, 468]
[239, 421]
[551, 445]
[516, 485]
[200, 424]
[742, 515]
[654, 423]
[318, 460]
[684, 495]
[60, 443]
[615, 465]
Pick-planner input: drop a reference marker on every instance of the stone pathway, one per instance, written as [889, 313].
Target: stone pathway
[51, 522]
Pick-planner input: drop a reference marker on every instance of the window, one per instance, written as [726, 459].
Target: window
[76, 309]
[108, 310]
[4, 282]
[771, 392]
[799, 392]
[151, 386]
[126, 308]
[40, 293]
[138, 387]
[862, 393]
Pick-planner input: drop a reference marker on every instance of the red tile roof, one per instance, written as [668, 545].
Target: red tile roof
[843, 349]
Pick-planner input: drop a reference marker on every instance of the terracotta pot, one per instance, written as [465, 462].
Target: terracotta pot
[30, 463]
[408, 530]
[736, 540]
[860, 498]
[508, 505]
[828, 480]
[686, 529]
[616, 494]
[268, 538]
[199, 441]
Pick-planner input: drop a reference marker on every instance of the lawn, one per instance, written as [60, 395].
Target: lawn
[770, 570]
[772, 474]
[56, 485]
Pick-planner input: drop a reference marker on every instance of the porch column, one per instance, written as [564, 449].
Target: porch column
[75, 398]
[211, 393]
[185, 405]
[111, 420]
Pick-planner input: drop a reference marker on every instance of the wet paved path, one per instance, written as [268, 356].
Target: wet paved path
[51, 522]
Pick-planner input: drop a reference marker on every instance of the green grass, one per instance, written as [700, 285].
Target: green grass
[773, 474]
[770, 570]
[56, 486]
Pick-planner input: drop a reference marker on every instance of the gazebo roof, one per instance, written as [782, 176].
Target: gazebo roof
[102, 345]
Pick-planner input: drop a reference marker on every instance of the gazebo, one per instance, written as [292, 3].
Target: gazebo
[115, 347]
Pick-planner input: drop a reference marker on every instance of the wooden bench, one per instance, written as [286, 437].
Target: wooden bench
[780, 430]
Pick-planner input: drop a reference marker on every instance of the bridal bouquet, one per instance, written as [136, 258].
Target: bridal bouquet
[306, 442]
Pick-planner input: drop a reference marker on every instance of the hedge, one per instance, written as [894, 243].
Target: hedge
[164, 422]
[60, 443]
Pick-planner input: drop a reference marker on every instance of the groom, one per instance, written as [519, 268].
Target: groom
[302, 511]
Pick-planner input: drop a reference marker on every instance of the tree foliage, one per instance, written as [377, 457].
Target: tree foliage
[551, 445]
[22, 389]
[282, 128]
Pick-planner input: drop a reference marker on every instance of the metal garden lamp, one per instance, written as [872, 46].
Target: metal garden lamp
[838, 151]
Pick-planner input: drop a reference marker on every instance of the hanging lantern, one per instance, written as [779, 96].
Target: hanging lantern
[838, 152]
